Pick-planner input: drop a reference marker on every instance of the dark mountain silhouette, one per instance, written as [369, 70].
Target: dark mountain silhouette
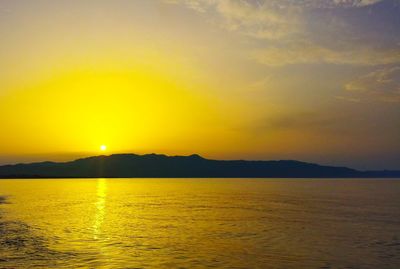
[154, 165]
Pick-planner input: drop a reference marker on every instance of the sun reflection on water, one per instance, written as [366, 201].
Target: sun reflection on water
[100, 204]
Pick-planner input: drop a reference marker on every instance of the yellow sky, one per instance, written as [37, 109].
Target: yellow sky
[223, 79]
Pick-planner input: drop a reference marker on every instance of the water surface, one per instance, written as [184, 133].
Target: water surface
[199, 223]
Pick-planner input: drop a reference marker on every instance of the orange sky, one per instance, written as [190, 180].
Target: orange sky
[225, 79]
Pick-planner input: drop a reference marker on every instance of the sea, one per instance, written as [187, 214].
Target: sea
[200, 223]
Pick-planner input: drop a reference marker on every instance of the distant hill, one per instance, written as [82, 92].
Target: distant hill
[155, 165]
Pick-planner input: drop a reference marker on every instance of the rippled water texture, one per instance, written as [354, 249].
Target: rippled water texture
[199, 223]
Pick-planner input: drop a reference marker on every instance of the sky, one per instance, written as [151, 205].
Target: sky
[311, 80]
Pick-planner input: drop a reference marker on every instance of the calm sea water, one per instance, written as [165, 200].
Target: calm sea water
[199, 223]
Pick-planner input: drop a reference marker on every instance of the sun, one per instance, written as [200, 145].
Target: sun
[103, 147]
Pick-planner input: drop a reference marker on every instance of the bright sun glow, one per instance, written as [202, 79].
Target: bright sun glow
[103, 147]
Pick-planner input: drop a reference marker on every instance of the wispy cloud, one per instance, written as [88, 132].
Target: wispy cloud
[282, 30]
[311, 53]
[356, 3]
[302, 120]
[255, 18]
[382, 84]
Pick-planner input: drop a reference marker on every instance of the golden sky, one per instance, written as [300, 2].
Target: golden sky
[313, 80]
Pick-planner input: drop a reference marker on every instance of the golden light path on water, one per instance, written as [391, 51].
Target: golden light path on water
[100, 207]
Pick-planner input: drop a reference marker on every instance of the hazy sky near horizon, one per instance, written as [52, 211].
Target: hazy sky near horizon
[313, 80]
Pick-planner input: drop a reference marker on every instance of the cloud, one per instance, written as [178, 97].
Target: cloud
[310, 53]
[285, 32]
[255, 18]
[302, 120]
[259, 21]
[192, 4]
[356, 3]
[382, 84]
[227, 6]
[348, 99]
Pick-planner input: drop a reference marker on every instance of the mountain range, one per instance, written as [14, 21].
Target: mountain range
[193, 166]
